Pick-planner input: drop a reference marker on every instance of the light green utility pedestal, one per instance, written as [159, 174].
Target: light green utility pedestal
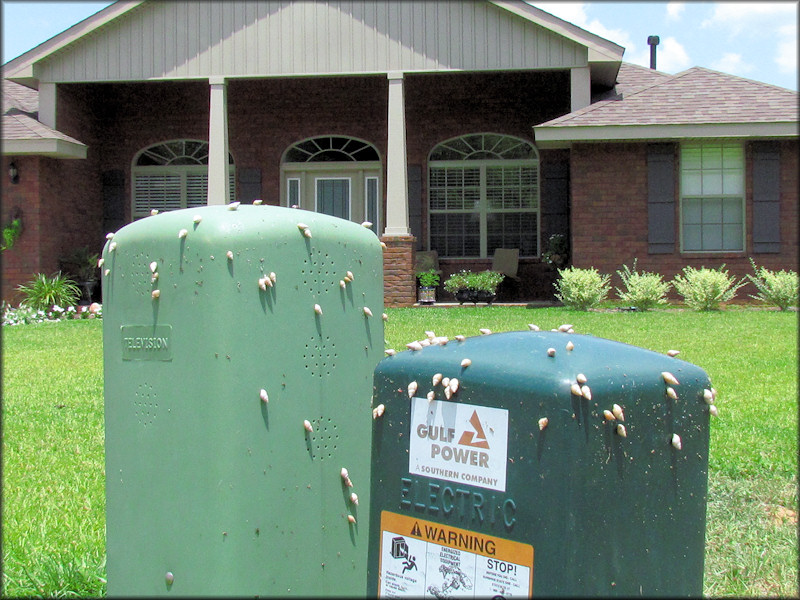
[239, 346]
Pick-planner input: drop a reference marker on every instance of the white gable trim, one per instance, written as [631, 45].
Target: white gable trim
[21, 69]
[185, 39]
[562, 137]
[53, 148]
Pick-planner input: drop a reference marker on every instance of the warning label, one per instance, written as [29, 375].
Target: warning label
[428, 560]
[459, 442]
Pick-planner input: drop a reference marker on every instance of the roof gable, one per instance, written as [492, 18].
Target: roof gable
[132, 41]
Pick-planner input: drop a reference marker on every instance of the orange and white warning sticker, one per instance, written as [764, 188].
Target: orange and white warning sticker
[423, 559]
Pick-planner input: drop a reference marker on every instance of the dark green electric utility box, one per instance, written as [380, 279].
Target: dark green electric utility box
[240, 344]
[558, 465]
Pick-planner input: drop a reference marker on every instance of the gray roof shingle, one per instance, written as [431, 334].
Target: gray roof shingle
[20, 116]
[693, 97]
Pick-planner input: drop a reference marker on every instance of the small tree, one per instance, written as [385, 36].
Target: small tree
[705, 289]
[642, 289]
[775, 288]
[581, 289]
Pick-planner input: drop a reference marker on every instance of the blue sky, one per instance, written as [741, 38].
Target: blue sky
[757, 40]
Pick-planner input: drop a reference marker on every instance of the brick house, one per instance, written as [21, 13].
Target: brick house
[460, 127]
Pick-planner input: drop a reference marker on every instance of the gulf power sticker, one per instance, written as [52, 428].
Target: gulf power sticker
[422, 559]
[458, 442]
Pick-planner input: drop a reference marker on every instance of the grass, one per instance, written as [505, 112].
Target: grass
[52, 449]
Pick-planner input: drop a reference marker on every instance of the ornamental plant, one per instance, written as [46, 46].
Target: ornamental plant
[486, 281]
[643, 290]
[706, 289]
[42, 292]
[24, 314]
[457, 281]
[581, 289]
[429, 278]
[11, 233]
[776, 288]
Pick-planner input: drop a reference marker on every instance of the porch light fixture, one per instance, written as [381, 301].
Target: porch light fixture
[13, 173]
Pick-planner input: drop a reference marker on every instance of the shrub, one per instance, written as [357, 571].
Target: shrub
[705, 289]
[486, 280]
[581, 289]
[775, 288]
[429, 278]
[643, 290]
[43, 292]
[457, 281]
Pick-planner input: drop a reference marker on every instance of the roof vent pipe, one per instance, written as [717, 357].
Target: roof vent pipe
[652, 41]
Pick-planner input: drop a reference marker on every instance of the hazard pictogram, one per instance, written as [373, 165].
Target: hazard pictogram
[467, 436]
[416, 530]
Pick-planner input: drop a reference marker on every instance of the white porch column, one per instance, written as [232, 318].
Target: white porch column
[396, 161]
[47, 104]
[580, 84]
[218, 188]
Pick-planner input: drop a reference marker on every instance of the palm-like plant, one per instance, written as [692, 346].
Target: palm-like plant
[42, 292]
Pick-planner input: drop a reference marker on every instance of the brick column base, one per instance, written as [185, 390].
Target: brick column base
[399, 281]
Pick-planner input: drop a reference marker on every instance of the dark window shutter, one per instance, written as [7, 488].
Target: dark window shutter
[415, 204]
[554, 198]
[113, 200]
[766, 197]
[249, 184]
[660, 198]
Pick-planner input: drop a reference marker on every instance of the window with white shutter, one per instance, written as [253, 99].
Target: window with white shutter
[483, 194]
[173, 175]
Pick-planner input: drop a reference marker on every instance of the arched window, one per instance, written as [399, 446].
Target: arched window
[335, 175]
[172, 175]
[483, 194]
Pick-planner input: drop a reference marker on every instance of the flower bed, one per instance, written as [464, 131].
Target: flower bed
[23, 314]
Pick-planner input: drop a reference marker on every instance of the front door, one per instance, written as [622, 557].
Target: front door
[345, 192]
[333, 196]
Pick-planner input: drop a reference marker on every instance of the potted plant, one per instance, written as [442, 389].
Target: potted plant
[11, 233]
[468, 286]
[458, 284]
[486, 283]
[557, 253]
[81, 265]
[428, 280]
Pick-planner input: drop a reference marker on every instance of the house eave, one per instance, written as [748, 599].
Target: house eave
[21, 68]
[563, 137]
[51, 148]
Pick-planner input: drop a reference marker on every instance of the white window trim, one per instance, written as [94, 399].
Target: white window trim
[376, 224]
[287, 201]
[741, 197]
[484, 209]
[180, 170]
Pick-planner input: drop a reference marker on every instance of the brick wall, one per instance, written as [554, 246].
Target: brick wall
[267, 116]
[399, 282]
[20, 200]
[609, 215]
[608, 212]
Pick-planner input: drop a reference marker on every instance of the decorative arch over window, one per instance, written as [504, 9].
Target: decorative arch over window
[331, 148]
[172, 175]
[484, 146]
[335, 175]
[483, 194]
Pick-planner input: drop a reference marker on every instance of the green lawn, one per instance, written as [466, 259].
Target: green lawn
[52, 449]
